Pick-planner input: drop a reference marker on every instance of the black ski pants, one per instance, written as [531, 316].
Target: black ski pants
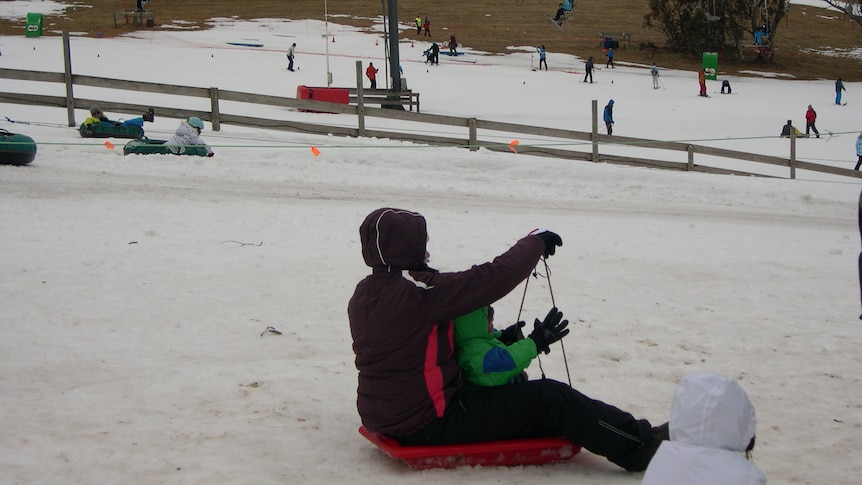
[541, 408]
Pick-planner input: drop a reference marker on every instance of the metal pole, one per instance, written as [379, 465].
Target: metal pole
[326, 39]
[394, 55]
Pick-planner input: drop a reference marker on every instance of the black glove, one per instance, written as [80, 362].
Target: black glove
[547, 332]
[551, 239]
[512, 334]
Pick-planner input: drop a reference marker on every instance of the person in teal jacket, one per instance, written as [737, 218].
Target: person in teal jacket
[490, 357]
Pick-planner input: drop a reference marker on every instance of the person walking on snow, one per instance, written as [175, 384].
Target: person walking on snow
[371, 73]
[654, 73]
[810, 118]
[453, 45]
[418, 23]
[435, 54]
[858, 151]
[839, 86]
[589, 70]
[701, 79]
[542, 57]
[426, 25]
[609, 117]
[410, 385]
[610, 55]
[290, 51]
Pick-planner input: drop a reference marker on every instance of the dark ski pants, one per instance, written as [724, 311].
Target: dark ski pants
[543, 61]
[541, 408]
[588, 74]
[811, 127]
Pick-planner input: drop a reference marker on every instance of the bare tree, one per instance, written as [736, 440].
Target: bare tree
[696, 26]
[850, 8]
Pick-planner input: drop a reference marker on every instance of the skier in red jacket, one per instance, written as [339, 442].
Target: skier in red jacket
[810, 118]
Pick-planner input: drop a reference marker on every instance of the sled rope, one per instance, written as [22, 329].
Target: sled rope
[554, 304]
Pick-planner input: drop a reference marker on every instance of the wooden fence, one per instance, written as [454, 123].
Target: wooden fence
[562, 144]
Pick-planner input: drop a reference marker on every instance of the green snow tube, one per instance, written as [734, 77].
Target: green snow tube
[110, 130]
[16, 149]
[152, 147]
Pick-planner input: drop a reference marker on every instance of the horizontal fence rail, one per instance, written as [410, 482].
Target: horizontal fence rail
[563, 144]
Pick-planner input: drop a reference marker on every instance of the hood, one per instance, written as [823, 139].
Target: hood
[185, 129]
[394, 238]
[472, 325]
[712, 411]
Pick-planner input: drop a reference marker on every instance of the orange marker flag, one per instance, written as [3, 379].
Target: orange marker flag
[513, 145]
[315, 151]
[109, 145]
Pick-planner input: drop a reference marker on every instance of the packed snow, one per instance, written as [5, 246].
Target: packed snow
[135, 291]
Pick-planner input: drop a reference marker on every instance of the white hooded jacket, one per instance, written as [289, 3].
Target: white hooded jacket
[712, 422]
[186, 135]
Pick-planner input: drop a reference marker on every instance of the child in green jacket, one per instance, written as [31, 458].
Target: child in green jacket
[493, 358]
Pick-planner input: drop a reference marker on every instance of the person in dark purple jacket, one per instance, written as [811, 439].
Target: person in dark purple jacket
[410, 385]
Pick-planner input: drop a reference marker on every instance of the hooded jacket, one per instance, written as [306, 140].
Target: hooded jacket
[185, 135]
[485, 360]
[711, 424]
[609, 112]
[402, 329]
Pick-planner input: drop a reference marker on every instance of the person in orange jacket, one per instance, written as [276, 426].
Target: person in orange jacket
[371, 73]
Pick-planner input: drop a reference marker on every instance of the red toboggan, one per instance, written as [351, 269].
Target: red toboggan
[528, 451]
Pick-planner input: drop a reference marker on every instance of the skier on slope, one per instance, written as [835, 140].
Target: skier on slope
[839, 86]
[588, 68]
[542, 57]
[701, 79]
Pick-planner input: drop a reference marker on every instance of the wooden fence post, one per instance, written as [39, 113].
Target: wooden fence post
[67, 74]
[792, 154]
[474, 144]
[360, 104]
[214, 109]
[690, 165]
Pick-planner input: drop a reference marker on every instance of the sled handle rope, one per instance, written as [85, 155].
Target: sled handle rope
[554, 304]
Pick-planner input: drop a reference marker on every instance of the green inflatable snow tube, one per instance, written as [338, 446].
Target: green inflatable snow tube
[152, 147]
[110, 130]
[16, 149]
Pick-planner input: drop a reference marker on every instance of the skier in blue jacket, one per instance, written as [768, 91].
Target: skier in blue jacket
[839, 86]
[542, 57]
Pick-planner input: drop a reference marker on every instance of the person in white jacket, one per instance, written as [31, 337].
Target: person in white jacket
[712, 426]
[188, 133]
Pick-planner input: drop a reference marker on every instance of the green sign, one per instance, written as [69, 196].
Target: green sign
[34, 25]
[710, 65]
